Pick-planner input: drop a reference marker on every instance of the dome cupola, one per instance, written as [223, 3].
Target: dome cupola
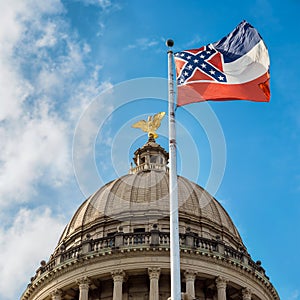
[151, 156]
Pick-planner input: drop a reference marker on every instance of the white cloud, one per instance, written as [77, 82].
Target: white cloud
[195, 42]
[15, 88]
[35, 148]
[101, 28]
[36, 134]
[43, 91]
[49, 37]
[104, 4]
[34, 138]
[94, 113]
[143, 44]
[23, 246]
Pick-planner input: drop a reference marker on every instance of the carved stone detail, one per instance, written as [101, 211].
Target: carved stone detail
[190, 275]
[118, 275]
[154, 273]
[56, 294]
[221, 282]
[246, 292]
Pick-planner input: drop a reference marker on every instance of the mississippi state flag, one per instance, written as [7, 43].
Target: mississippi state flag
[234, 68]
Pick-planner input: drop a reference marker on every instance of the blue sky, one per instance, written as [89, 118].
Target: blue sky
[66, 72]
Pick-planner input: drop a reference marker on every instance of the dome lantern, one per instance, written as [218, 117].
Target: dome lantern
[151, 156]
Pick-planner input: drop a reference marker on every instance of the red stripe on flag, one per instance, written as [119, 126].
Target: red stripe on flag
[256, 90]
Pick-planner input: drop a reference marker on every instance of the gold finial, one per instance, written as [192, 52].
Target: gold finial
[151, 124]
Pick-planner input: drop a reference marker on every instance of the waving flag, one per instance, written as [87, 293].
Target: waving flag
[234, 68]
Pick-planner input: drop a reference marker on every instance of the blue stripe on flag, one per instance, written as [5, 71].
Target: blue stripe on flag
[239, 42]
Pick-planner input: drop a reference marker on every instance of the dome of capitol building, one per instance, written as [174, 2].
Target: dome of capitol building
[117, 244]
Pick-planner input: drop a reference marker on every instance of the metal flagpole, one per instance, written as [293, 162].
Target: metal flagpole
[174, 228]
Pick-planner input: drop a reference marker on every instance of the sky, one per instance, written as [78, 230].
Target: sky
[76, 74]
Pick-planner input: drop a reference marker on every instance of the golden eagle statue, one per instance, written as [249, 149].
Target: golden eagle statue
[151, 124]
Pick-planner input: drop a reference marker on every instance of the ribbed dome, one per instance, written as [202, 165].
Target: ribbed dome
[145, 196]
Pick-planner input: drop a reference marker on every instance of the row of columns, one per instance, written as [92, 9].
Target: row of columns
[83, 284]
[119, 276]
[221, 284]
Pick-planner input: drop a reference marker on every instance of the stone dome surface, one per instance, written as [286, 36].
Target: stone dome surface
[145, 196]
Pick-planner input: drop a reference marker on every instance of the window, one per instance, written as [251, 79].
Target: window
[110, 234]
[138, 230]
[153, 159]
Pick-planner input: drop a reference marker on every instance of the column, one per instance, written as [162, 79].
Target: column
[246, 292]
[56, 295]
[221, 283]
[118, 277]
[83, 284]
[190, 277]
[154, 287]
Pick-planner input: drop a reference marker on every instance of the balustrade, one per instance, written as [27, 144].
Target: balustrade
[102, 243]
[153, 238]
[164, 238]
[149, 166]
[205, 244]
[50, 265]
[141, 238]
[71, 253]
[230, 252]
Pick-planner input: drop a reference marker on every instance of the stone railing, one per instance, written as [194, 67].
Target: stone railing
[148, 166]
[103, 243]
[152, 239]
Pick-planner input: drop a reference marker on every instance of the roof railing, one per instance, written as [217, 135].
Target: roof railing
[152, 239]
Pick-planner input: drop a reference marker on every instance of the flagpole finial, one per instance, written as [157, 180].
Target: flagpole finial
[170, 43]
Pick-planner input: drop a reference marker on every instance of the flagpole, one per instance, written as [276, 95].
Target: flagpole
[173, 188]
